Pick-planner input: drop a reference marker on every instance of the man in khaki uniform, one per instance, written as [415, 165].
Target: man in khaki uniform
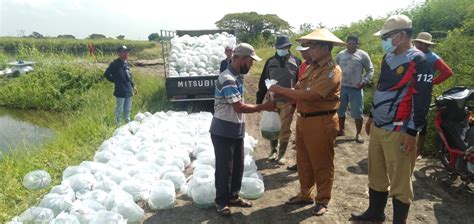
[317, 97]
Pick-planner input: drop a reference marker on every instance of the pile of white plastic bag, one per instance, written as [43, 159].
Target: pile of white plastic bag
[198, 56]
[144, 161]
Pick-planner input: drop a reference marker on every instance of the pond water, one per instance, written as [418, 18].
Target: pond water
[21, 129]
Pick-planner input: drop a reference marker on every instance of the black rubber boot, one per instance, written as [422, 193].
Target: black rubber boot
[281, 152]
[400, 211]
[273, 152]
[375, 212]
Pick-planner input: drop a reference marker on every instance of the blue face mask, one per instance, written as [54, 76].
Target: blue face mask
[387, 46]
[282, 52]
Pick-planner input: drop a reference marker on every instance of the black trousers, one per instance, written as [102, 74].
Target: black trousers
[229, 154]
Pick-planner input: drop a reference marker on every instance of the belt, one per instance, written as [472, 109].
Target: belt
[319, 113]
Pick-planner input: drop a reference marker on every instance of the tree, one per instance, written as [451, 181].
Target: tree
[120, 37]
[96, 36]
[154, 37]
[66, 36]
[251, 24]
[306, 28]
[36, 35]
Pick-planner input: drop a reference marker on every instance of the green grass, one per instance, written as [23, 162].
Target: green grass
[75, 141]
[76, 47]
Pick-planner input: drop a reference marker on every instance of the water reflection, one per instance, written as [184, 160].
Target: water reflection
[17, 134]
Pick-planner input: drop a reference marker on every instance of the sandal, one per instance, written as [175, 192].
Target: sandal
[239, 202]
[319, 209]
[359, 139]
[298, 201]
[223, 210]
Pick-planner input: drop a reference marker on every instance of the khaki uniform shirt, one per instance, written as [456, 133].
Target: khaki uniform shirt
[324, 79]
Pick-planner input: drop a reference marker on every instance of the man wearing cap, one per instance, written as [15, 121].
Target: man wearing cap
[228, 128]
[317, 99]
[424, 42]
[399, 107]
[228, 57]
[283, 67]
[303, 49]
[119, 73]
[354, 63]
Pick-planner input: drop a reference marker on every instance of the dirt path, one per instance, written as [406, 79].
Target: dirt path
[437, 198]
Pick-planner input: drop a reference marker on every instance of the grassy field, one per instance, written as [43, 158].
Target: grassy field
[77, 47]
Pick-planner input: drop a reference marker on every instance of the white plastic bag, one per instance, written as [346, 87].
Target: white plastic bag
[203, 191]
[37, 215]
[270, 125]
[252, 188]
[56, 202]
[107, 217]
[37, 179]
[65, 218]
[117, 196]
[162, 195]
[177, 177]
[130, 211]
[65, 190]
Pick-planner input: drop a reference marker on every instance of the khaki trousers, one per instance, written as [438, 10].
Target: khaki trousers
[315, 140]
[389, 168]
[284, 109]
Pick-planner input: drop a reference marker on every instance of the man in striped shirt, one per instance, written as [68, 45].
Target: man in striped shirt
[228, 128]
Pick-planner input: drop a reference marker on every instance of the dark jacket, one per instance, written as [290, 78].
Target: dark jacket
[224, 64]
[119, 73]
[282, 69]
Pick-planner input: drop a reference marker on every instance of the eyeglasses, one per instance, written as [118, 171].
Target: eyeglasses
[390, 34]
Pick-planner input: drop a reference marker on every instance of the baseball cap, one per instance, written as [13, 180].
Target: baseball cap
[395, 22]
[245, 49]
[122, 49]
[301, 48]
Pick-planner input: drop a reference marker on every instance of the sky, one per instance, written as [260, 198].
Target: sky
[136, 19]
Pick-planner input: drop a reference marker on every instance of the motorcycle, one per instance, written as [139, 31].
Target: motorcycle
[455, 128]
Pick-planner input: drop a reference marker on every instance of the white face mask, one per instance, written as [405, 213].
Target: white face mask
[282, 52]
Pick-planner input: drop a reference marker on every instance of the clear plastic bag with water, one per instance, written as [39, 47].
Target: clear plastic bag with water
[37, 179]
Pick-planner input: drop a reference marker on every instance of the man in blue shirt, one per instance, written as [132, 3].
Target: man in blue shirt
[119, 73]
[228, 128]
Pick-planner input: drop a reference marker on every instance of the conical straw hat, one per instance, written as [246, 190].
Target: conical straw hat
[322, 34]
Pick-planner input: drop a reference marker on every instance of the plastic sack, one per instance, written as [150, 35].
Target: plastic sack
[56, 202]
[65, 190]
[137, 189]
[177, 177]
[130, 211]
[117, 196]
[99, 196]
[73, 170]
[80, 181]
[252, 188]
[249, 164]
[65, 218]
[162, 195]
[203, 192]
[107, 217]
[37, 179]
[270, 125]
[37, 215]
